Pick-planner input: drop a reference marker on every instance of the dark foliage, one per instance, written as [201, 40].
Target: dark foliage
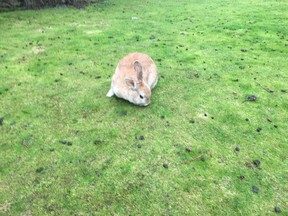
[36, 4]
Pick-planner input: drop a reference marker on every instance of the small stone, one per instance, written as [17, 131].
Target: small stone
[40, 170]
[251, 98]
[277, 209]
[165, 166]
[258, 129]
[255, 189]
[237, 149]
[256, 163]
[141, 138]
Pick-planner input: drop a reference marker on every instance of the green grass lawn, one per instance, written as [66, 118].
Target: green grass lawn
[67, 149]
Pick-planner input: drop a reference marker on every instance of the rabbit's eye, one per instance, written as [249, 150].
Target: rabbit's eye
[141, 97]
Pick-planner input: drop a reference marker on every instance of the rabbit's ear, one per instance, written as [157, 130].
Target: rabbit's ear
[138, 70]
[131, 83]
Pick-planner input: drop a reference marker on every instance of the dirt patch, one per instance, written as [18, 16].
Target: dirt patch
[5, 207]
[92, 31]
[38, 49]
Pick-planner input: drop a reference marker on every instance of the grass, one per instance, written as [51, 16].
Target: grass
[67, 149]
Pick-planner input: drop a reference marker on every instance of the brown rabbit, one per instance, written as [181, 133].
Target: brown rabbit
[135, 76]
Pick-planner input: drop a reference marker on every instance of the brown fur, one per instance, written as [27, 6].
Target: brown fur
[135, 75]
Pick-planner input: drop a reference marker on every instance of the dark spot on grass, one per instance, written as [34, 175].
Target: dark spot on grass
[205, 115]
[123, 113]
[259, 129]
[283, 90]
[257, 163]
[139, 146]
[255, 189]
[57, 80]
[246, 119]
[52, 150]
[212, 117]
[242, 67]
[243, 50]
[162, 116]
[70, 63]
[97, 142]
[165, 166]
[275, 126]
[235, 80]
[192, 121]
[1, 121]
[64, 142]
[188, 150]
[203, 159]
[237, 149]
[277, 209]
[269, 120]
[97, 77]
[141, 138]
[241, 177]
[110, 37]
[152, 37]
[159, 60]
[40, 170]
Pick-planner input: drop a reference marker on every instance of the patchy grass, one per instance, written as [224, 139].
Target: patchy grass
[68, 149]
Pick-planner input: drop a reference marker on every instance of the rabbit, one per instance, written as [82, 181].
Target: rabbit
[135, 76]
